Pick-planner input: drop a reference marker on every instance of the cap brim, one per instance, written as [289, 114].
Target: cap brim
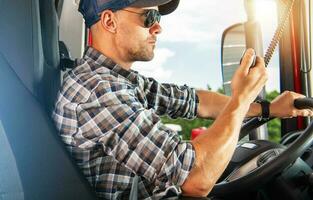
[168, 7]
[165, 6]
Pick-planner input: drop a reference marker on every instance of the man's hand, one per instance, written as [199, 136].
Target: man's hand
[215, 147]
[282, 106]
[248, 82]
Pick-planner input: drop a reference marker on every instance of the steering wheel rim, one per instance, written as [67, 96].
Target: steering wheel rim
[264, 172]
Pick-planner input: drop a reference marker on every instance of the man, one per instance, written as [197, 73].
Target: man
[108, 114]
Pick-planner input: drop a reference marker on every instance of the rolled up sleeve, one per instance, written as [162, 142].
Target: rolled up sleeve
[173, 100]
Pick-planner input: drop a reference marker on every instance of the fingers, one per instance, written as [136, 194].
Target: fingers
[259, 61]
[299, 112]
[260, 69]
[247, 60]
[303, 113]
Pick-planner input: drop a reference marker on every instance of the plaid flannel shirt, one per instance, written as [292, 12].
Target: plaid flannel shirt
[108, 117]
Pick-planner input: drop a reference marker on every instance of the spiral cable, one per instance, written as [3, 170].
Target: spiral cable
[278, 33]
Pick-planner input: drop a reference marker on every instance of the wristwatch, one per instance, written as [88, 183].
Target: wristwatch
[265, 107]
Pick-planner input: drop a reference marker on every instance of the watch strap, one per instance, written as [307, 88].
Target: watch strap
[265, 107]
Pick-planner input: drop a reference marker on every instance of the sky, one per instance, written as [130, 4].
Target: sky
[189, 48]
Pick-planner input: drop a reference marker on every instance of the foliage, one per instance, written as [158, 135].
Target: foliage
[274, 126]
[187, 125]
[220, 90]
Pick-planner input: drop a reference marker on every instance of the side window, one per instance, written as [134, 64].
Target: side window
[189, 48]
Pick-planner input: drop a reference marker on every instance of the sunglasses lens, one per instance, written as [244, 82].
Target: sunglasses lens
[152, 16]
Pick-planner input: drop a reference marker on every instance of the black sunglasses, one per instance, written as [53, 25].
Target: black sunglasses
[151, 16]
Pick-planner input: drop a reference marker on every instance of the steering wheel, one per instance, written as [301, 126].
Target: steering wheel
[284, 157]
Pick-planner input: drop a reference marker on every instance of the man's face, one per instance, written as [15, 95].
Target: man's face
[136, 41]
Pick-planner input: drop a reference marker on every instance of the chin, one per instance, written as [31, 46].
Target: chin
[146, 57]
[143, 55]
[149, 59]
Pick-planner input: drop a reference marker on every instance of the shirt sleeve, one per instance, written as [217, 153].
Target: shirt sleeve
[173, 100]
[135, 137]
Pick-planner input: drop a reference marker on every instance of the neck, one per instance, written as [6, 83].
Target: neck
[110, 50]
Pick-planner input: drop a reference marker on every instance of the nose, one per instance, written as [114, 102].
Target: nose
[155, 29]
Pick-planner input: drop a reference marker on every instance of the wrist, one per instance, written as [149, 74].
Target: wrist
[255, 110]
[237, 104]
[273, 111]
[265, 109]
[240, 97]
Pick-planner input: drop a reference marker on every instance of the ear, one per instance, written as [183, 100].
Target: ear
[108, 21]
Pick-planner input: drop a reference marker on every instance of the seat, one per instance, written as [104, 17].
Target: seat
[34, 163]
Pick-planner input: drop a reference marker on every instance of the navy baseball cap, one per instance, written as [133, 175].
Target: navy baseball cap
[91, 9]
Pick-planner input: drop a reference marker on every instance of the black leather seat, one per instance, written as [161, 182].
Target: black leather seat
[34, 165]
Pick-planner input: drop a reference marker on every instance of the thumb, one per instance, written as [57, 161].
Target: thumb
[247, 60]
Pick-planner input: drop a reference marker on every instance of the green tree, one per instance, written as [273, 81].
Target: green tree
[187, 125]
[273, 126]
[221, 90]
[270, 96]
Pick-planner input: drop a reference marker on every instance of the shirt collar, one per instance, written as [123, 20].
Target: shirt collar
[103, 61]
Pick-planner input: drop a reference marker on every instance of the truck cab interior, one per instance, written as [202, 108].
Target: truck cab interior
[34, 163]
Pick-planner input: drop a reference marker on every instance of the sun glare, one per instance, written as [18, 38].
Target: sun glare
[266, 11]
